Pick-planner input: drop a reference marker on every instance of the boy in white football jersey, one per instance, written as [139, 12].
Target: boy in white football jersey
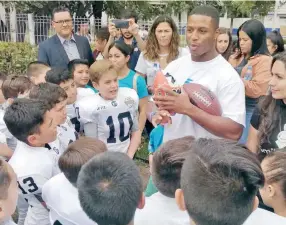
[57, 98]
[8, 193]
[31, 122]
[63, 202]
[110, 115]
[79, 68]
[64, 79]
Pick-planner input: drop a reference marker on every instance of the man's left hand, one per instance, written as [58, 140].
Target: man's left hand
[172, 101]
[133, 28]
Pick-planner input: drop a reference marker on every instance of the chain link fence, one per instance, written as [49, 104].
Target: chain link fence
[35, 29]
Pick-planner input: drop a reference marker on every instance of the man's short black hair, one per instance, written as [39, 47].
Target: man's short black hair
[220, 180]
[167, 164]
[24, 117]
[129, 14]
[52, 93]
[60, 9]
[58, 76]
[110, 188]
[206, 10]
[72, 64]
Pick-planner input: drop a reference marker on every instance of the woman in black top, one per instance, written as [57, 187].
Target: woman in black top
[268, 123]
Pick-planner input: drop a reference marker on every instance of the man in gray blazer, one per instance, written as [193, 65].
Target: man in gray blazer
[64, 46]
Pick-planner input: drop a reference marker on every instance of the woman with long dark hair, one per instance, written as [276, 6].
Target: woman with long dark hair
[268, 124]
[267, 132]
[255, 72]
[224, 42]
[275, 43]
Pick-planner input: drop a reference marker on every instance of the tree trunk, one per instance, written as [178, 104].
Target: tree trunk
[97, 7]
[231, 25]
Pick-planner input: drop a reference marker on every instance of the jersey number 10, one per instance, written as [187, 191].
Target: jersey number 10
[110, 123]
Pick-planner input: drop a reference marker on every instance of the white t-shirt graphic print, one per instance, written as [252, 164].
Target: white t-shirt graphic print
[217, 75]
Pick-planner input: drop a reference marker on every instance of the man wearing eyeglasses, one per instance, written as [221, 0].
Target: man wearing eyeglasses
[64, 46]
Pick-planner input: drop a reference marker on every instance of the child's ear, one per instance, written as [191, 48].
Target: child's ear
[180, 200]
[95, 84]
[141, 203]
[32, 140]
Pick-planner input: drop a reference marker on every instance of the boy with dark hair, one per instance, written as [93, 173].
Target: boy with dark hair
[57, 98]
[110, 189]
[220, 180]
[79, 68]
[77, 154]
[161, 207]
[36, 71]
[34, 163]
[64, 79]
[8, 193]
[112, 118]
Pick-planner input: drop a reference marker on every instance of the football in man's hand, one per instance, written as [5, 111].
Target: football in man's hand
[203, 98]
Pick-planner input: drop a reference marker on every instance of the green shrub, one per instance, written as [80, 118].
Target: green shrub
[15, 56]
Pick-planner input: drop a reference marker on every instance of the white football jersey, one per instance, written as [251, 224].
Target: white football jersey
[66, 135]
[72, 112]
[10, 139]
[83, 92]
[34, 166]
[63, 202]
[111, 121]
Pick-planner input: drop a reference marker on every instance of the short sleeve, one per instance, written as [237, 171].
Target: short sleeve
[255, 119]
[83, 114]
[141, 87]
[31, 184]
[141, 66]
[232, 100]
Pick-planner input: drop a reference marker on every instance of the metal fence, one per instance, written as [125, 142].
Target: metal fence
[35, 29]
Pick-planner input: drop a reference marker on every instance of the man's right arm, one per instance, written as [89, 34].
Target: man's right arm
[42, 54]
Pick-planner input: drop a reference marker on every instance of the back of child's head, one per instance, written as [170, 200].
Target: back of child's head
[102, 33]
[99, 68]
[25, 116]
[58, 76]
[72, 64]
[52, 93]
[77, 154]
[8, 190]
[274, 169]
[220, 180]
[36, 69]
[110, 188]
[16, 86]
[167, 164]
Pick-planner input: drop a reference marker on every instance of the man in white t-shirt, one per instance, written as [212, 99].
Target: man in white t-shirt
[204, 66]
[161, 207]
[219, 183]
[60, 193]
